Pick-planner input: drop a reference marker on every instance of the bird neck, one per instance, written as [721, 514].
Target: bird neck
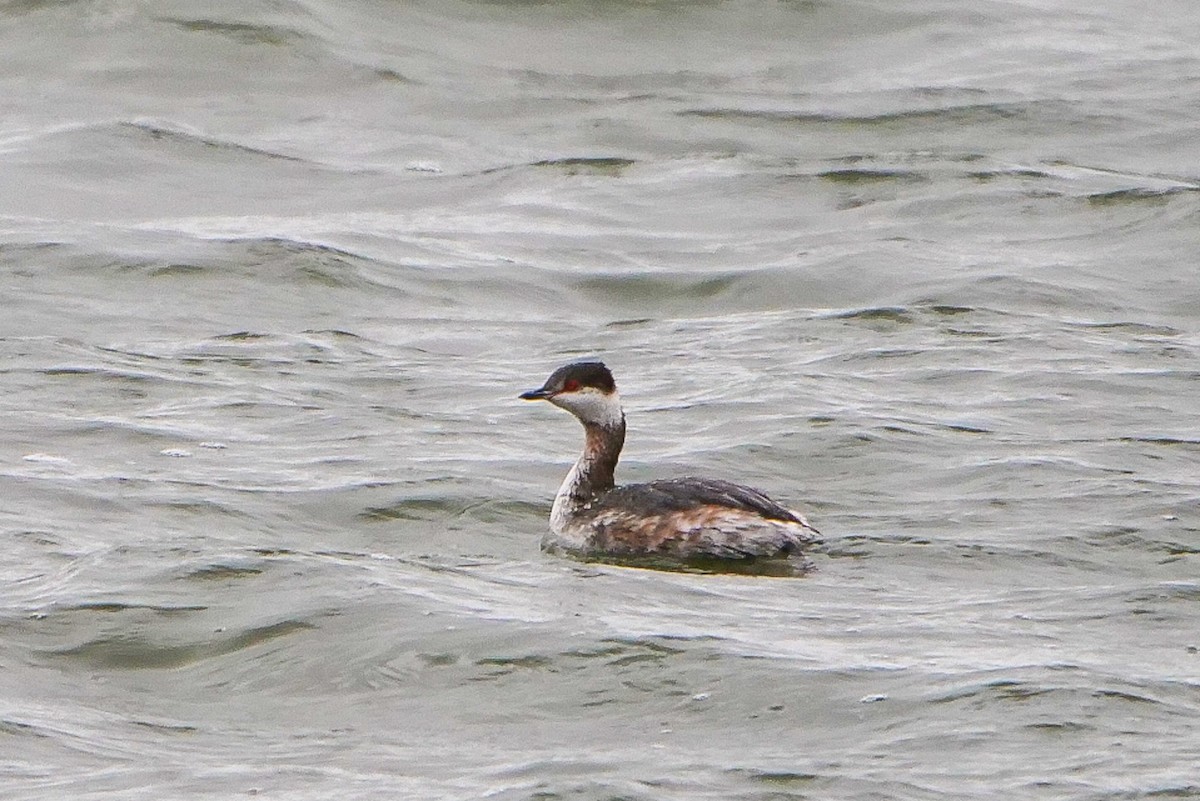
[592, 473]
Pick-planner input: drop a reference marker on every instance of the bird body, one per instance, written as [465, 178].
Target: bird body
[680, 518]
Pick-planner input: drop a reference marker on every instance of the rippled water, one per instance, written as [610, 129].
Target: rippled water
[272, 274]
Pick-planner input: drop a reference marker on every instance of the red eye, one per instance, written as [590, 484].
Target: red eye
[571, 386]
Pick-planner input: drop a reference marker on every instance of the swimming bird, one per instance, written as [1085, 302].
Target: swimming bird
[678, 518]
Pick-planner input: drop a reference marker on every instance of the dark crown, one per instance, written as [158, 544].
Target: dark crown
[588, 374]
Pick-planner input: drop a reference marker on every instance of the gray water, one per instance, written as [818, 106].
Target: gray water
[272, 274]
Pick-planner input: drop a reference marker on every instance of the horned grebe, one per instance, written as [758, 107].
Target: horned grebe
[679, 518]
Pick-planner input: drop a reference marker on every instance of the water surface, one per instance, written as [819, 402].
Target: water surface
[274, 274]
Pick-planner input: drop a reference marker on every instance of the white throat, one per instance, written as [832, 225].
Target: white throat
[592, 406]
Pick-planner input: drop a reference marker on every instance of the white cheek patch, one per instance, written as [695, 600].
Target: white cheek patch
[591, 406]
